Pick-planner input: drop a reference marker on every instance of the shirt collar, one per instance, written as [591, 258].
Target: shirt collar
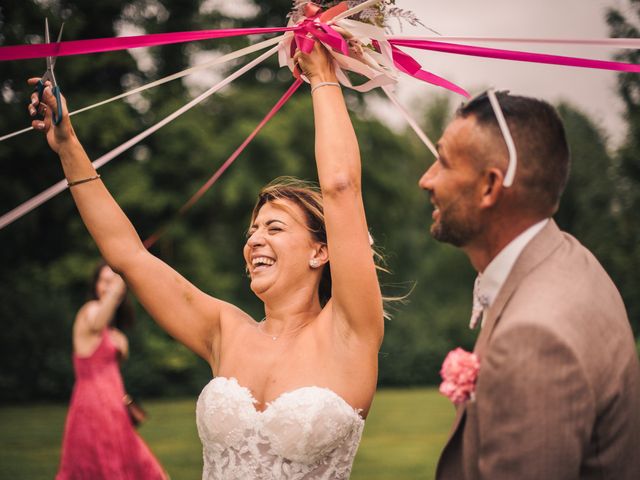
[496, 273]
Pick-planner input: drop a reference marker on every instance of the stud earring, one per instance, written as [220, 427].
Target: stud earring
[314, 263]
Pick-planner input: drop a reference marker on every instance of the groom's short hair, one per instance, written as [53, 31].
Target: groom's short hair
[540, 141]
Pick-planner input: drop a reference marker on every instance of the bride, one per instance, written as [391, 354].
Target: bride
[289, 393]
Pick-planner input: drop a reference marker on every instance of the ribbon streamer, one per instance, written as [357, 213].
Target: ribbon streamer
[217, 61]
[630, 43]
[412, 123]
[517, 55]
[227, 163]
[52, 191]
[78, 47]
[381, 65]
[411, 67]
[139, 40]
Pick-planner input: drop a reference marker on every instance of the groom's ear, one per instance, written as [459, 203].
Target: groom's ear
[491, 187]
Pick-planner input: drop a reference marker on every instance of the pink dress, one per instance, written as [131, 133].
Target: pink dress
[99, 440]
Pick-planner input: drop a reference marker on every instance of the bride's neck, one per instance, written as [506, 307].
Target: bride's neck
[286, 315]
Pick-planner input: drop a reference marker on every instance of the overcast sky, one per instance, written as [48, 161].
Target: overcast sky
[593, 91]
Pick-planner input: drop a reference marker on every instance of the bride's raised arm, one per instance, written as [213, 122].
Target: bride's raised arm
[185, 312]
[356, 298]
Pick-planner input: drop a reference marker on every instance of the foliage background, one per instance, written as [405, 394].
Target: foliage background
[47, 256]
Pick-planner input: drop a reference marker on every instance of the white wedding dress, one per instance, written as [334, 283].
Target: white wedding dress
[308, 433]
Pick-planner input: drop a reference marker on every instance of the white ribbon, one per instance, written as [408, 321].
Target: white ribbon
[412, 123]
[379, 68]
[217, 61]
[52, 191]
[55, 189]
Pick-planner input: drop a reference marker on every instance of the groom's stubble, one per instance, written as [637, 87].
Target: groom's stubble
[460, 220]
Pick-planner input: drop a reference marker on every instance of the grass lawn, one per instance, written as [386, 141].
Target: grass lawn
[403, 436]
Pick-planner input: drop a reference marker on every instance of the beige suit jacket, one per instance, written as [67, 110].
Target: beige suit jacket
[558, 392]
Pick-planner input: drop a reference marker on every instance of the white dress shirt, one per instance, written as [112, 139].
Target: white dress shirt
[489, 282]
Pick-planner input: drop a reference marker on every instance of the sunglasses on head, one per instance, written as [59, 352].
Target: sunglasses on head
[504, 128]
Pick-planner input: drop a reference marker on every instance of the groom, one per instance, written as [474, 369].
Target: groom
[558, 391]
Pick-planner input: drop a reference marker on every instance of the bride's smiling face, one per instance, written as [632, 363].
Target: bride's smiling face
[278, 249]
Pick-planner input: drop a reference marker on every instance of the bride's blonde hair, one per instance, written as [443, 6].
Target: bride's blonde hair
[308, 197]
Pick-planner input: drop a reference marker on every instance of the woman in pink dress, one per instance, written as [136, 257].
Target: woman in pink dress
[100, 441]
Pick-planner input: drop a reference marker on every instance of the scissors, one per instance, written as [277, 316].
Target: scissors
[50, 76]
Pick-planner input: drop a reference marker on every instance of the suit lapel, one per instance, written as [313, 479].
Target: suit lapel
[460, 411]
[536, 251]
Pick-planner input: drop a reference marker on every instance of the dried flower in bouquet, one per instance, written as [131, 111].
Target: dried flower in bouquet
[378, 14]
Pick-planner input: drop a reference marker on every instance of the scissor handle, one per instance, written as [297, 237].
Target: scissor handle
[40, 86]
[57, 118]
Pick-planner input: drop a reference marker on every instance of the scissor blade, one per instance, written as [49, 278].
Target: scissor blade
[60, 33]
[53, 59]
[47, 39]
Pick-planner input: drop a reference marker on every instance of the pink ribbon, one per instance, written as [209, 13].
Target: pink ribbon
[214, 178]
[516, 55]
[322, 32]
[631, 43]
[315, 27]
[312, 26]
[410, 66]
[78, 47]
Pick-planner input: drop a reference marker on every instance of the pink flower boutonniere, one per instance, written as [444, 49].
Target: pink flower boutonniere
[459, 373]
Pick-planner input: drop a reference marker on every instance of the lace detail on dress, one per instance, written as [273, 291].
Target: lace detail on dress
[308, 433]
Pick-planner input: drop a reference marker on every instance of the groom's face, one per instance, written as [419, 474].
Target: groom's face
[453, 183]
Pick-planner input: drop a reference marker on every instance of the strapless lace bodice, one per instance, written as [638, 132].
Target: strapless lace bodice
[308, 433]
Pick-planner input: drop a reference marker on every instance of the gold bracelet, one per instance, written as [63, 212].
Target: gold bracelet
[324, 84]
[84, 180]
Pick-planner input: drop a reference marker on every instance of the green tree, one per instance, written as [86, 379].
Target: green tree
[627, 161]
[47, 256]
[587, 208]
[152, 182]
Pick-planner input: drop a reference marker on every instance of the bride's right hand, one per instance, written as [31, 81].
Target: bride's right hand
[317, 65]
[57, 135]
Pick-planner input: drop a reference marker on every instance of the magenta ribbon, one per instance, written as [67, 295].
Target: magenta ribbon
[410, 66]
[313, 27]
[516, 55]
[310, 27]
[227, 163]
[321, 31]
[79, 47]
